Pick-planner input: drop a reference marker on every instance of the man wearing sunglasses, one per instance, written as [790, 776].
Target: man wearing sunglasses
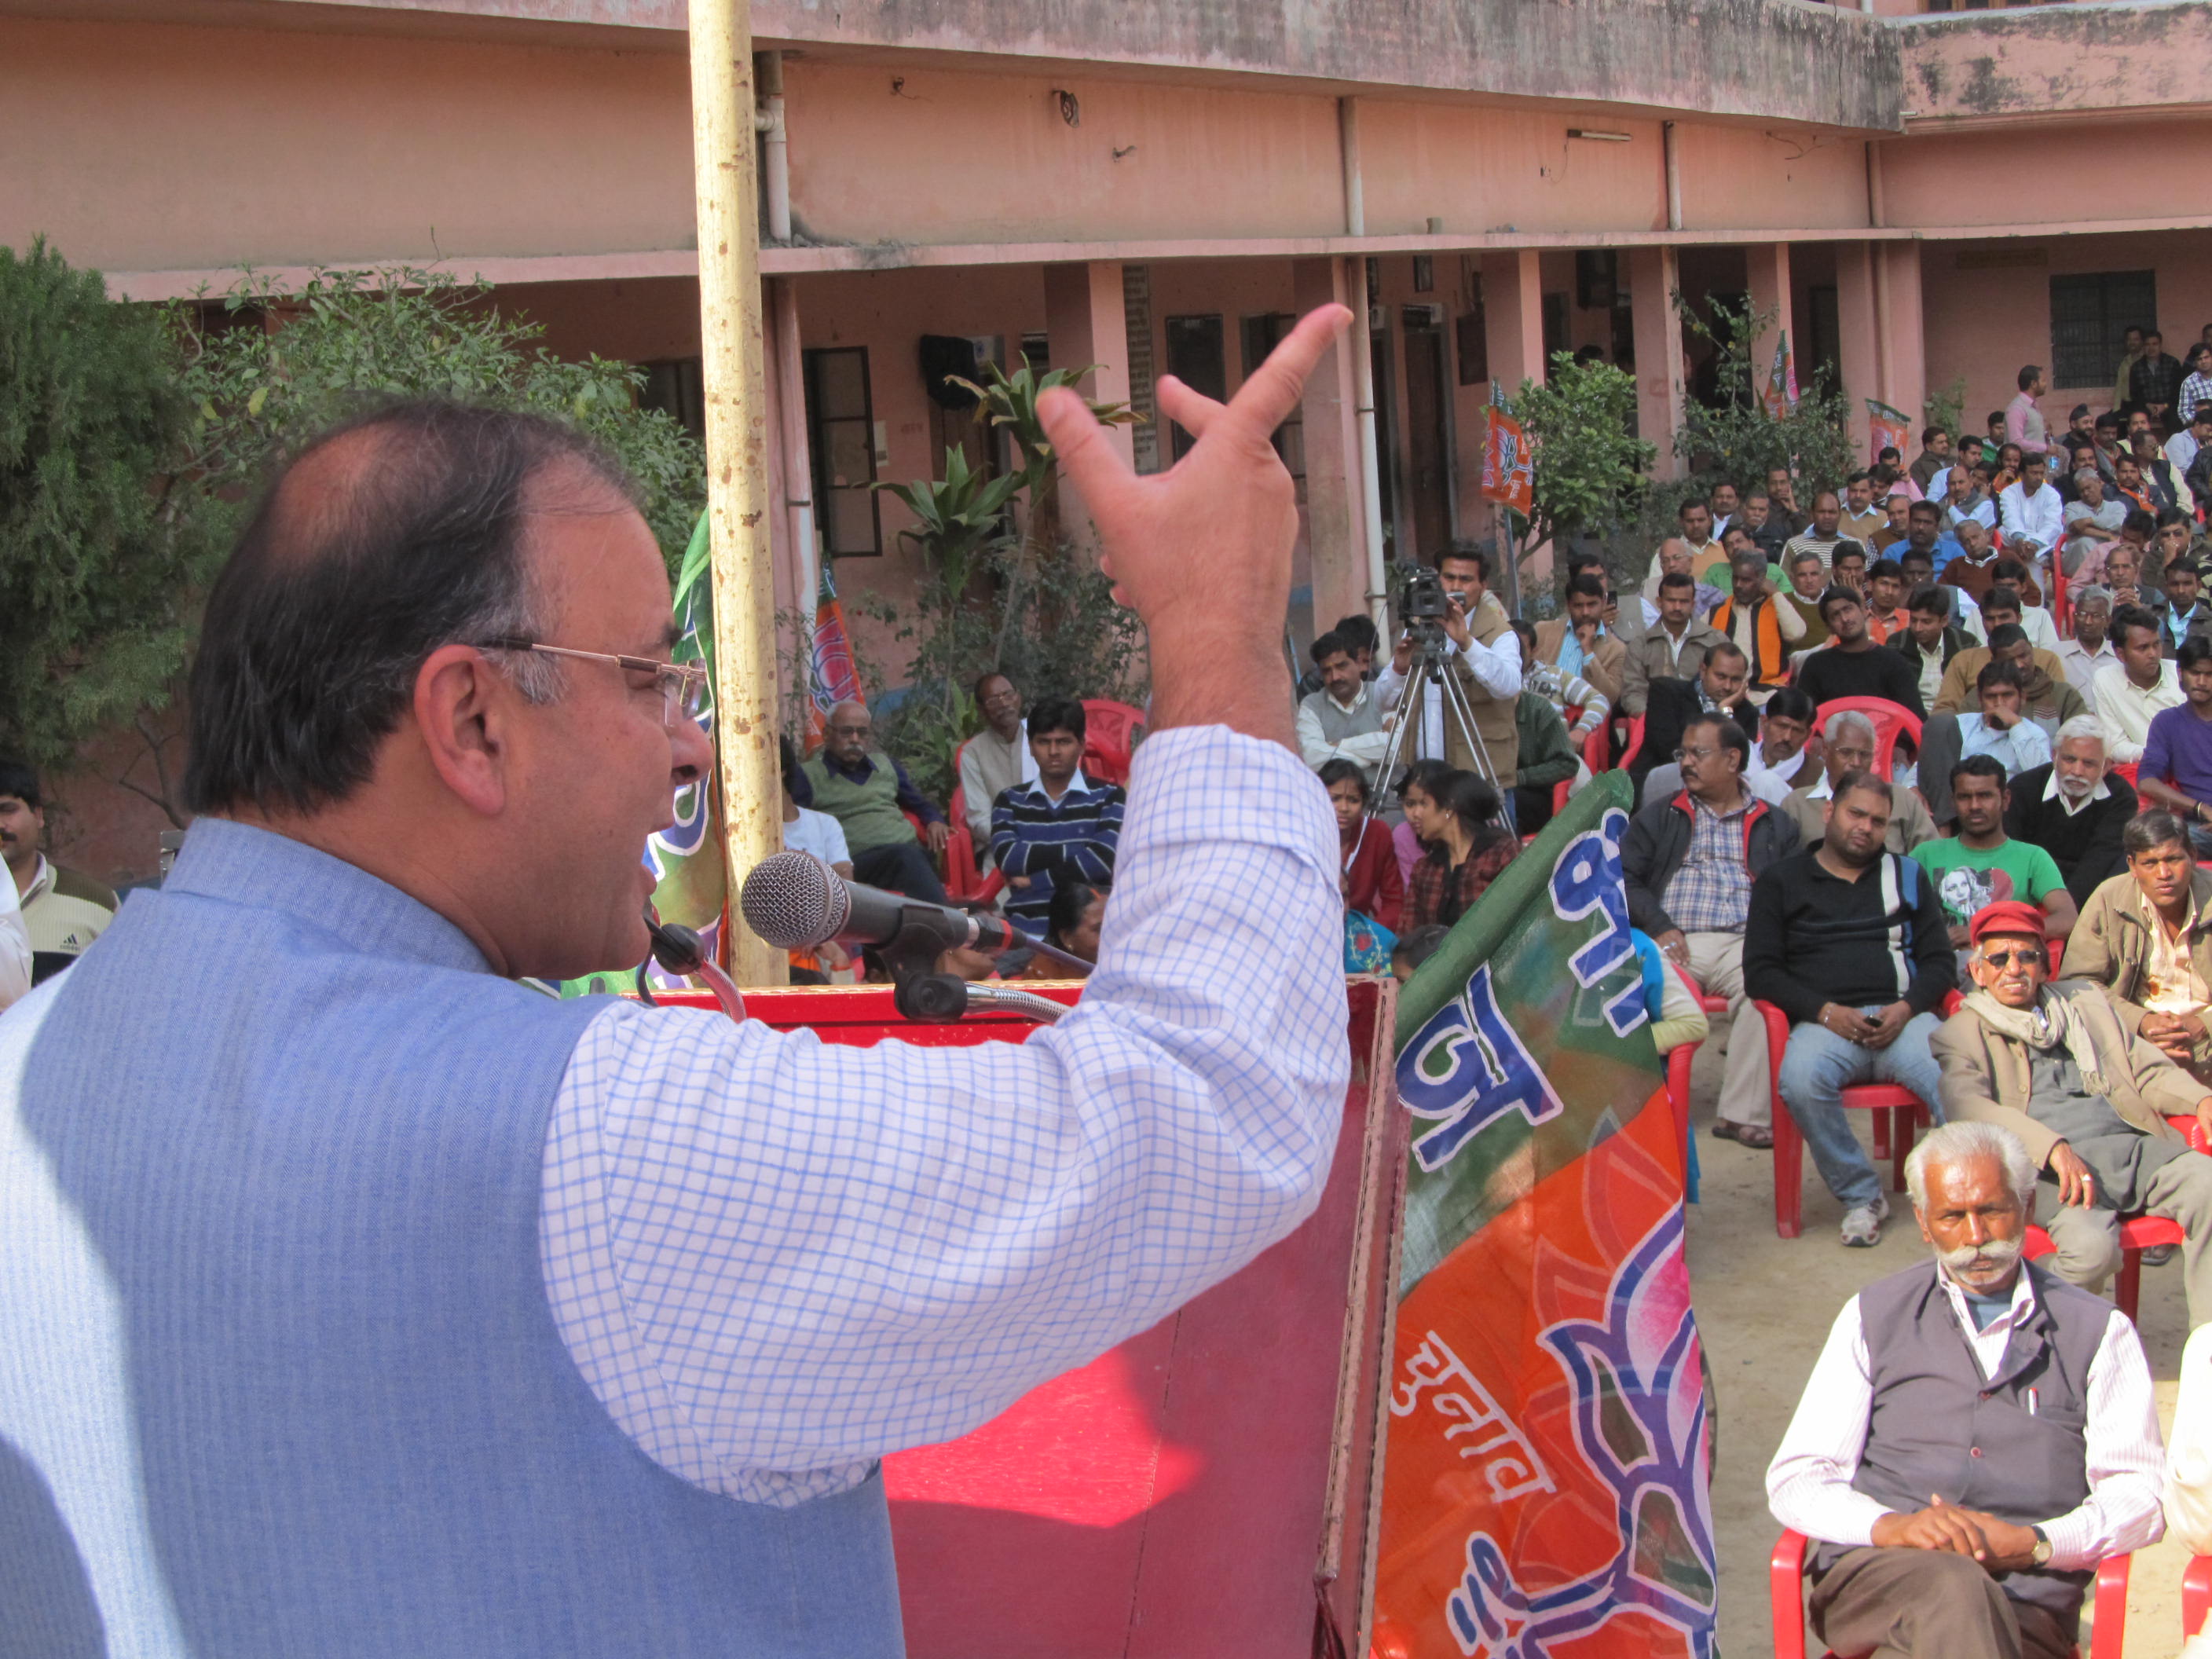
[2056, 1065]
[359, 1300]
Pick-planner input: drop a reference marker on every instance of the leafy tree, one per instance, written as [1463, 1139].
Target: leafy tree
[102, 546]
[1587, 463]
[990, 598]
[1948, 408]
[1735, 439]
[1738, 439]
[271, 367]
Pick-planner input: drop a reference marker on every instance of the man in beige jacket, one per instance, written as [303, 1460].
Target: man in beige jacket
[2146, 936]
[2055, 1065]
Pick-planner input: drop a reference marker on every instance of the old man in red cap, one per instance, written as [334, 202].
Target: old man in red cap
[2054, 1065]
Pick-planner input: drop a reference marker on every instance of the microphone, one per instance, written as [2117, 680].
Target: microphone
[795, 902]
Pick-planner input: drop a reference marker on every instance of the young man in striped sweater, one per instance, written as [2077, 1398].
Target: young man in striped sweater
[1058, 827]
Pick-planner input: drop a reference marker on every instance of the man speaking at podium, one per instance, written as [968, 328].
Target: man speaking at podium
[355, 1300]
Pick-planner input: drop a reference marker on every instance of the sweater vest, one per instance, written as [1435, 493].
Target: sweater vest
[1336, 725]
[1769, 660]
[869, 810]
[2013, 1444]
[281, 1374]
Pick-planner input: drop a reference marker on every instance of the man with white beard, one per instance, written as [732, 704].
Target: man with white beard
[2074, 808]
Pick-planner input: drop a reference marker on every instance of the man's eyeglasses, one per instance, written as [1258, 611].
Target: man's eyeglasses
[683, 685]
[1681, 755]
[2028, 956]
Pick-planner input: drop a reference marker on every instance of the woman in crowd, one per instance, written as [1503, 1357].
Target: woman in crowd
[1466, 846]
[1417, 800]
[1369, 862]
[1078, 911]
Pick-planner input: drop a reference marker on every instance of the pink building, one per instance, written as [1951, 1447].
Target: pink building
[1156, 187]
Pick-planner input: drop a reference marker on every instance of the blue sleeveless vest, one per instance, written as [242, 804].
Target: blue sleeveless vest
[277, 1372]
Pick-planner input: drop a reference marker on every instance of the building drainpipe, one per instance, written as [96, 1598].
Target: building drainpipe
[797, 463]
[775, 152]
[1673, 175]
[1362, 366]
[1877, 216]
[784, 342]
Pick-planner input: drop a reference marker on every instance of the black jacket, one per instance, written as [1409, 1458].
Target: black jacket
[1670, 705]
[2086, 846]
[1659, 840]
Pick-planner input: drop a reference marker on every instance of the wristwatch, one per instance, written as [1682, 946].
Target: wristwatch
[2042, 1546]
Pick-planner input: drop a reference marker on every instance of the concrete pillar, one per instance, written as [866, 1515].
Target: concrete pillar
[1085, 323]
[1513, 311]
[1654, 275]
[1336, 529]
[1857, 323]
[1903, 345]
[1766, 271]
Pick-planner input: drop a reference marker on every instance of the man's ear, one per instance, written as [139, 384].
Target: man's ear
[460, 712]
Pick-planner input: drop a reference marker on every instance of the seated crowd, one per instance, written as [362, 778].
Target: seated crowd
[1923, 780]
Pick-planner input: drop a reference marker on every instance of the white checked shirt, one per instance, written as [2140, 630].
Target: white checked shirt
[775, 1260]
[1808, 1485]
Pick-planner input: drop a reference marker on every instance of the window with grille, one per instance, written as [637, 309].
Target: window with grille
[841, 438]
[2088, 314]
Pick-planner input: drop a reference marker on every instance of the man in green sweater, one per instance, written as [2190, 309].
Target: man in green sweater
[870, 794]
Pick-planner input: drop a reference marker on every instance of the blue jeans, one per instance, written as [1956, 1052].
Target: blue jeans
[1816, 1069]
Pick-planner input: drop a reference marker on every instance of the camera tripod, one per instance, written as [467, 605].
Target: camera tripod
[1427, 670]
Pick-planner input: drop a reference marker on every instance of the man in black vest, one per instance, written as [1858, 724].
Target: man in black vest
[1976, 1437]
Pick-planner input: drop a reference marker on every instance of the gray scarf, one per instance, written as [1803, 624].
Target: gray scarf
[2050, 1022]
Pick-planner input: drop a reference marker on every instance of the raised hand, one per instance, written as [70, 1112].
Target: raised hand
[1202, 551]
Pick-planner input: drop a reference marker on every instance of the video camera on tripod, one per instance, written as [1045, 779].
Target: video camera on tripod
[1422, 604]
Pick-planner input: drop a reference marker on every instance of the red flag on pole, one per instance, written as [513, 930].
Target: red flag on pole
[1507, 474]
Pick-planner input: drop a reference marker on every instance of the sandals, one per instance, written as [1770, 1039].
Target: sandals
[1757, 1136]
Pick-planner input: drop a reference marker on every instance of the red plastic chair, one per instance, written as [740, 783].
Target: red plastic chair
[2196, 1595]
[1889, 718]
[2126, 771]
[1111, 732]
[1901, 1113]
[2137, 1235]
[1597, 746]
[2143, 1233]
[1786, 1588]
[1632, 745]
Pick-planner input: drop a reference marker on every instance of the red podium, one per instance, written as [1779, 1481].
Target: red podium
[1208, 1489]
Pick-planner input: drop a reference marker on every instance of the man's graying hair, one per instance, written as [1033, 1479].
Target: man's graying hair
[1849, 721]
[1958, 1143]
[346, 579]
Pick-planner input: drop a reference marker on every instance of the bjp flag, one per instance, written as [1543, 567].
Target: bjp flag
[1886, 427]
[1508, 474]
[1545, 1492]
[830, 678]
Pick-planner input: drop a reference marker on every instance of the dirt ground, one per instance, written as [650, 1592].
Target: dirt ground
[1764, 1306]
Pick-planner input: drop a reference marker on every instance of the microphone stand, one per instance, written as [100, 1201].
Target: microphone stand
[922, 994]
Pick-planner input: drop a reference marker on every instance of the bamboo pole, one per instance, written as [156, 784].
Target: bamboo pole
[737, 458]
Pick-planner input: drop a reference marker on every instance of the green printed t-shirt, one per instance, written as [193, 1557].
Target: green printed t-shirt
[1968, 877]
